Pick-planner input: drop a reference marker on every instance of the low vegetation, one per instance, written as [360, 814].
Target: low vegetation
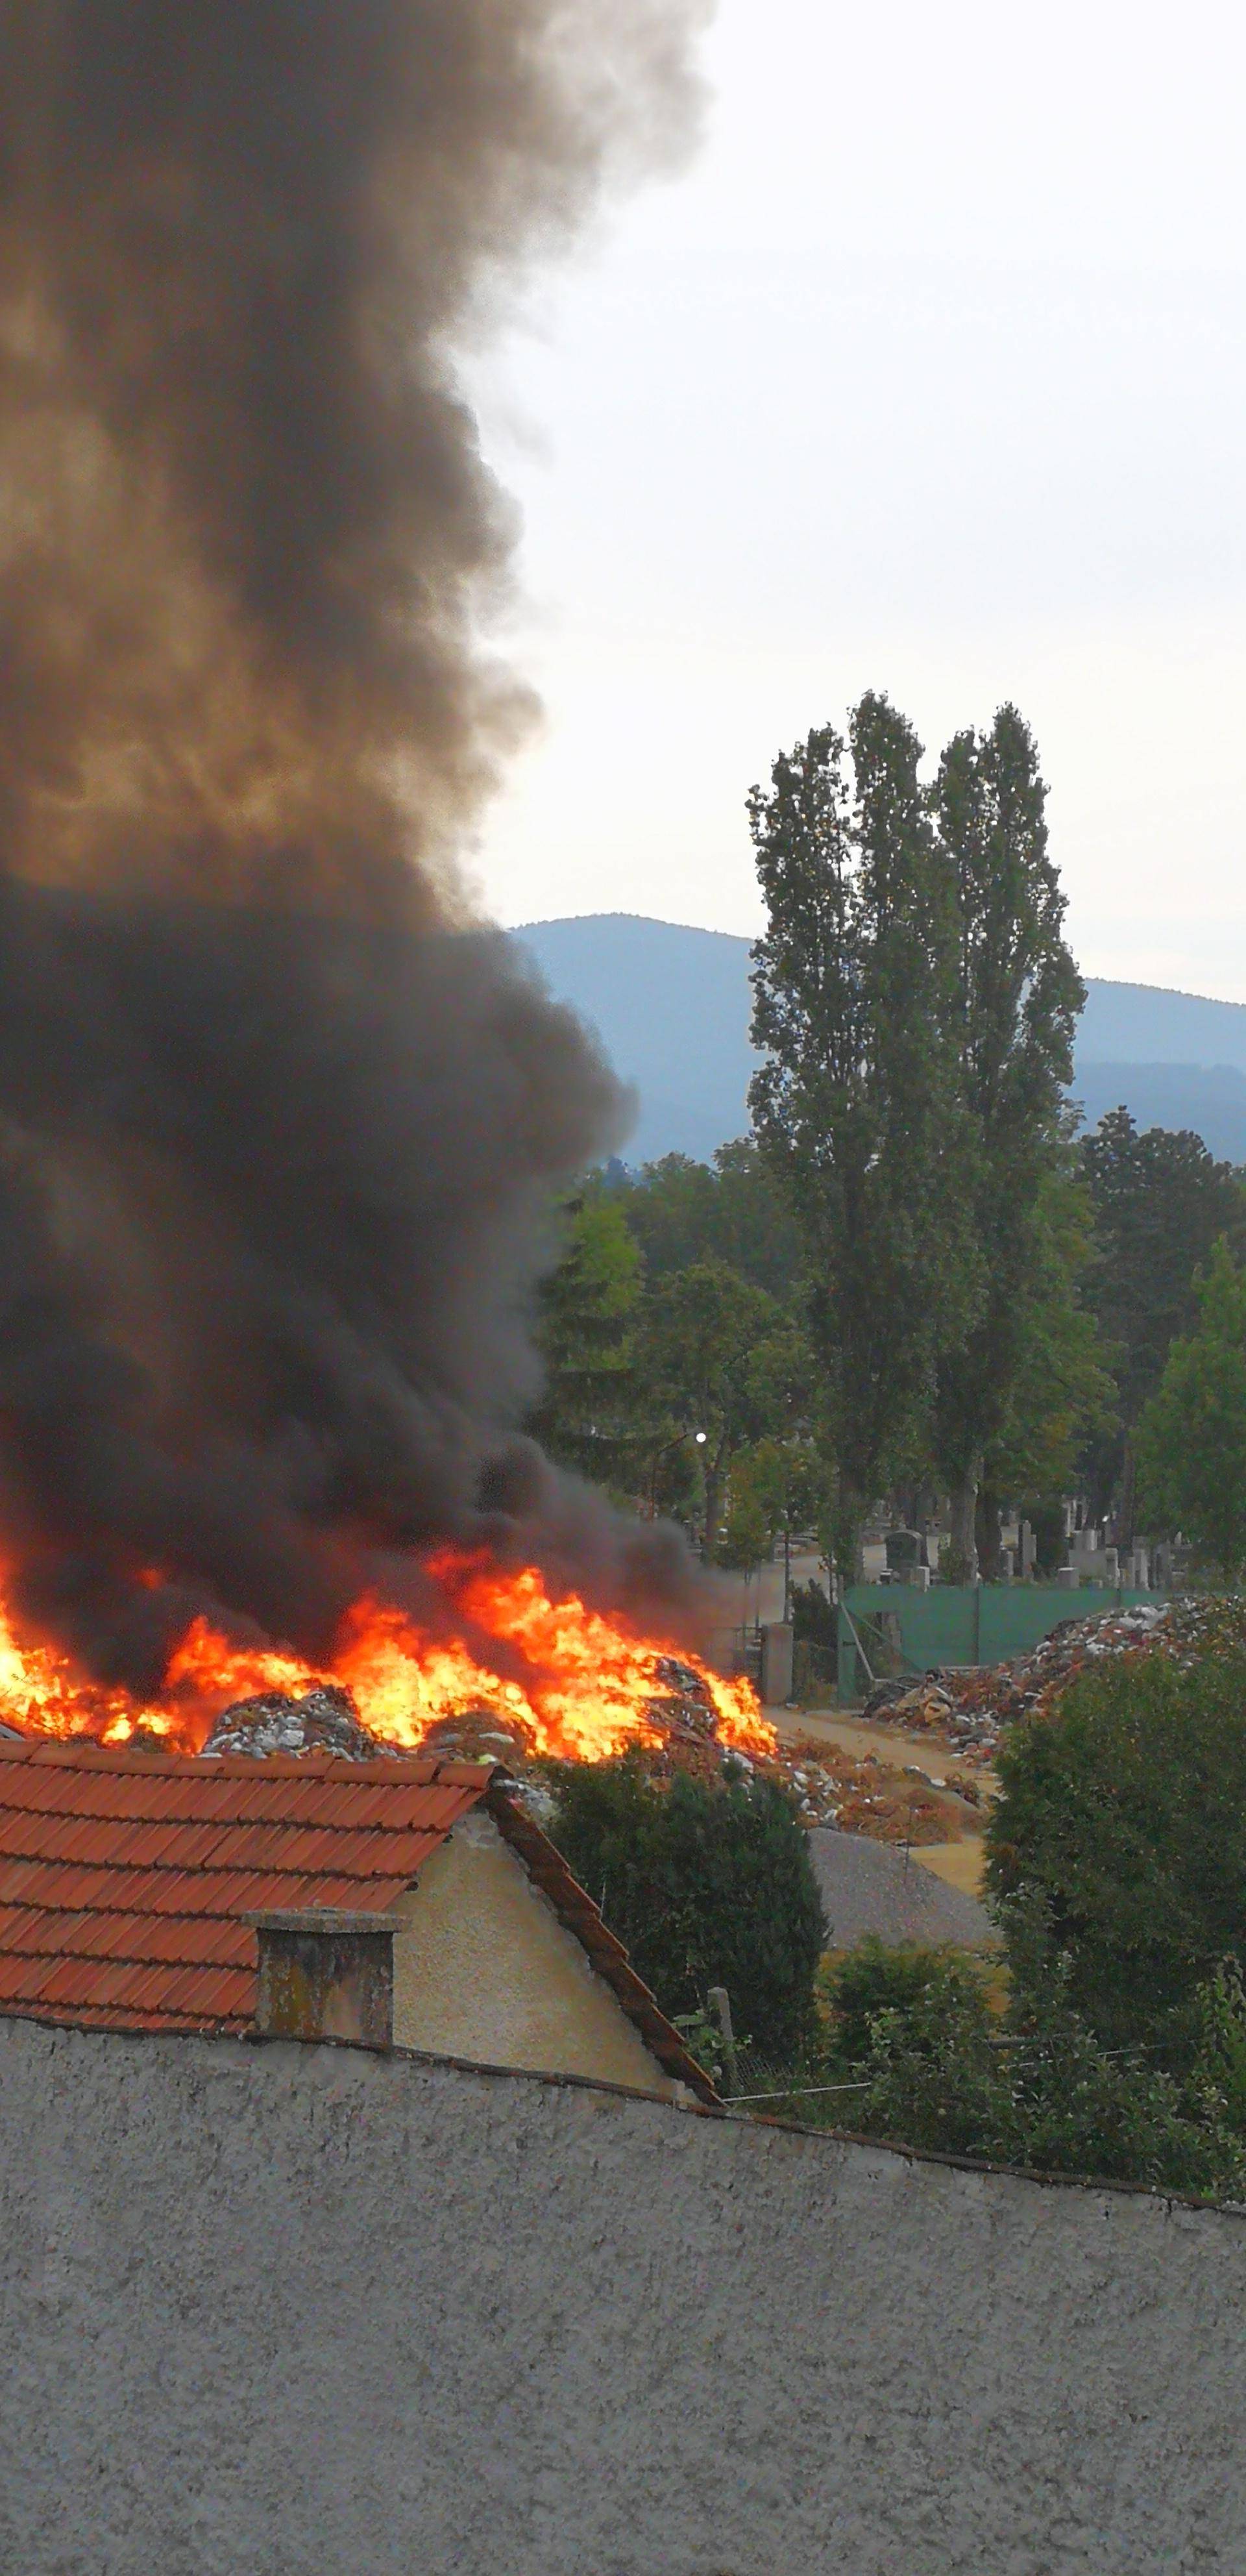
[709, 1884]
[1111, 2038]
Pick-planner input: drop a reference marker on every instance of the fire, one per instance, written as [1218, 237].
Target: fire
[566, 1680]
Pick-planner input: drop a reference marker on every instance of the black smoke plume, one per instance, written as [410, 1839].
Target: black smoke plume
[279, 1118]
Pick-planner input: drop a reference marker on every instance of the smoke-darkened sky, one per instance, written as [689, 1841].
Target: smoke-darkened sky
[927, 374]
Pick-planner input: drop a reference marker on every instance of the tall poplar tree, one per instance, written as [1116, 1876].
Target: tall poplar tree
[857, 1103]
[1160, 1201]
[1018, 999]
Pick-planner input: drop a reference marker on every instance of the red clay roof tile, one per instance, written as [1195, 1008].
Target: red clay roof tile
[125, 1876]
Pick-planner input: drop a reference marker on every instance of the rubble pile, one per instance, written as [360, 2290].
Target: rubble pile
[830, 1786]
[971, 1704]
[900, 1803]
[323, 1720]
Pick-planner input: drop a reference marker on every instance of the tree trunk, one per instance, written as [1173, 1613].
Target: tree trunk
[1128, 1508]
[989, 1529]
[964, 1502]
[715, 1471]
[849, 1532]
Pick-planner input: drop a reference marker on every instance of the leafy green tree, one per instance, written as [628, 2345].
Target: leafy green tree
[1192, 1436]
[731, 1210]
[1018, 998]
[716, 1355]
[857, 1106]
[707, 1883]
[1061, 1394]
[779, 1487]
[748, 1538]
[1160, 1202]
[1122, 1819]
[589, 1305]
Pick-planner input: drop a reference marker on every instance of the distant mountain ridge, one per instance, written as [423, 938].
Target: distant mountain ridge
[671, 1005]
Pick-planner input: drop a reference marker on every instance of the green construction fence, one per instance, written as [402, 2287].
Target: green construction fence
[901, 1630]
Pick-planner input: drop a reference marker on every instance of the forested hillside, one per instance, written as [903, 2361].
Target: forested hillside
[672, 1005]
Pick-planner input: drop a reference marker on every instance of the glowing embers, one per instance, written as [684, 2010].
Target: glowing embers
[563, 1679]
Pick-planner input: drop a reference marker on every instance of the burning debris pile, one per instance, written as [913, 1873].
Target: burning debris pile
[324, 1720]
[509, 1669]
[680, 1728]
[282, 1119]
[971, 1706]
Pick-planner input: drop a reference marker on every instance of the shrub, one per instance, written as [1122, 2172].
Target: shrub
[708, 1884]
[911, 2026]
[923, 1987]
[1123, 1817]
[815, 1617]
[937, 2071]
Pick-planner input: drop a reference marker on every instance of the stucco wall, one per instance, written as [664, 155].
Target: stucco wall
[486, 1970]
[281, 2311]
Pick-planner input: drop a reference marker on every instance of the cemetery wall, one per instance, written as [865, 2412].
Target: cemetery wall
[269, 2310]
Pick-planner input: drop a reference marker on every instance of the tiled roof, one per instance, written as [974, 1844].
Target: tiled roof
[125, 1877]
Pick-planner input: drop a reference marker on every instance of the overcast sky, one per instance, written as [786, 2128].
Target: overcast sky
[927, 375]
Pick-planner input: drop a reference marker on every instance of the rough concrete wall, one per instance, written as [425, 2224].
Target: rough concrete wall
[281, 2311]
[486, 1970]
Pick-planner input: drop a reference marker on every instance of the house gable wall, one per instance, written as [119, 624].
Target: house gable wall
[487, 1971]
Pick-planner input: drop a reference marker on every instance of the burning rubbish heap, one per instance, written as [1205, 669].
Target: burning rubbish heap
[499, 1656]
[513, 1674]
[681, 1726]
[282, 1119]
[971, 1705]
[321, 1720]
[689, 1720]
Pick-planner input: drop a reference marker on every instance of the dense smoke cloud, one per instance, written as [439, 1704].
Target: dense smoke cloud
[278, 1119]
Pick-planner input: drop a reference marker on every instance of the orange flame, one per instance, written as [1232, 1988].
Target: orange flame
[566, 1681]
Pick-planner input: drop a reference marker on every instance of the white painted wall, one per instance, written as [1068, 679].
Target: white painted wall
[486, 1970]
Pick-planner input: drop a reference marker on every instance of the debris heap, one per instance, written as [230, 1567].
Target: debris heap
[830, 1786]
[971, 1704]
[323, 1720]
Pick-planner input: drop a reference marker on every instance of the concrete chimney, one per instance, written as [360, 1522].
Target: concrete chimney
[326, 1974]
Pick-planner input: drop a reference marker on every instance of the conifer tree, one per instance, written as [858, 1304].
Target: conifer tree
[1018, 999]
[1160, 1202]
[586, 1416]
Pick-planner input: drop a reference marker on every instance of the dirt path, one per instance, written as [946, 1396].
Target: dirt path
[894, 1745]
[957, 1864]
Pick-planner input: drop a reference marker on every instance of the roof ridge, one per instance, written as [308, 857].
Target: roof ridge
[422, 1769]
